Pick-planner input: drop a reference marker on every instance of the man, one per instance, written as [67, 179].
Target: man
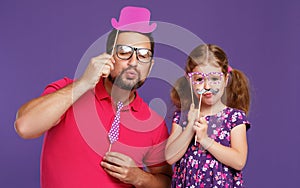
[99, 132]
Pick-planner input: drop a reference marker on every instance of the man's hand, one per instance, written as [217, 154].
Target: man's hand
[99, 66]
[121, 167]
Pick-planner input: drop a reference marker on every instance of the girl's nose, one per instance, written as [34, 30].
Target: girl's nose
[206, 84]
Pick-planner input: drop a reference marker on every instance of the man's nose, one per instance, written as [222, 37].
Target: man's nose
[133, 61]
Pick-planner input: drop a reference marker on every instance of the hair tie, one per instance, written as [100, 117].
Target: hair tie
[229, 69]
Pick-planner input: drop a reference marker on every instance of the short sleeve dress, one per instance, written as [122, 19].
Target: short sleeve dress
[197, 167]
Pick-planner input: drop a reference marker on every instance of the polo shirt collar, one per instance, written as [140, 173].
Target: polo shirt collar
[101, 94]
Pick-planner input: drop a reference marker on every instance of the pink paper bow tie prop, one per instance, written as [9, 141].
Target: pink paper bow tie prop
[113, 134]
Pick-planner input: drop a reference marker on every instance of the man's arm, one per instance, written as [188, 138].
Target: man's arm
[124, 168]
[234, 156]
[42, 113]
[158, 177]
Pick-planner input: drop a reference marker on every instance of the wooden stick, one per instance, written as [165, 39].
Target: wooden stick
[109, 147]
[112, 52]
[198, 115]
[199, 106]
[192, 93]
[115, 41]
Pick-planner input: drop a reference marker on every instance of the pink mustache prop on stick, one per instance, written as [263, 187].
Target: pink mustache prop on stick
[201, 92]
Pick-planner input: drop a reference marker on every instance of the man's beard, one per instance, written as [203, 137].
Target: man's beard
[125, 84]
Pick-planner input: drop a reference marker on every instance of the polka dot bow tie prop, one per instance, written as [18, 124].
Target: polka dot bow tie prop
[113, 134]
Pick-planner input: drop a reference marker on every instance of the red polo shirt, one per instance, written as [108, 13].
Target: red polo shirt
[73, 149]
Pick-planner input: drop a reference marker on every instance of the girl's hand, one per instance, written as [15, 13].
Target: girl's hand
[192, 115]
[200, 128]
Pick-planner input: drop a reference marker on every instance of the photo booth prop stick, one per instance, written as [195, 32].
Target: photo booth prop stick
[136, 19]
[199, 92]
[192, 93]
[115, 41]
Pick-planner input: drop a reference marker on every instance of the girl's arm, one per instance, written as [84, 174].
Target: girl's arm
[234, 156]
[178, 142]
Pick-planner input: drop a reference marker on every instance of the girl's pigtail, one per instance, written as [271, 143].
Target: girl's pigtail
[180, 94]
[238, 91]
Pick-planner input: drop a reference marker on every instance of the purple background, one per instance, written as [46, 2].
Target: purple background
[42, 41]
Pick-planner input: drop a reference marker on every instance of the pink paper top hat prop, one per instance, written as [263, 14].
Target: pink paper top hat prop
[134, 19]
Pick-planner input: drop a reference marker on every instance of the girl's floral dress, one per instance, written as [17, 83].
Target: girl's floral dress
[197, 167]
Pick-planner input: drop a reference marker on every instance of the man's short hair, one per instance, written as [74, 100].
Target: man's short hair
[111, 39]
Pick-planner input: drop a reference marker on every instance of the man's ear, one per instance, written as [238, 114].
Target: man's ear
[150, 68]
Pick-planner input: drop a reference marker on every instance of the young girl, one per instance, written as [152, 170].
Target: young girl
[208, 141]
